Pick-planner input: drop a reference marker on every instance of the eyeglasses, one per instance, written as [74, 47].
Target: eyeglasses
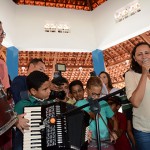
[94, 95]
[3, 34]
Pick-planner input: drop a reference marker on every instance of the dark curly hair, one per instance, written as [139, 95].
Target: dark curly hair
[74, 83]
[134, 65]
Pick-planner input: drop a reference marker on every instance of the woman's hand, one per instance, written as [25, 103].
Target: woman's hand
[146, 65]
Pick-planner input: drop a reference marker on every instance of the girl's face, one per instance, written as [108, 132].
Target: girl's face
[94, 92]
[104, 78]
[142, 52]
[43, 92]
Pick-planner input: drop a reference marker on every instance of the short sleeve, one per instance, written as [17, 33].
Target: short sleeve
[81, 103]
[130, 83]
[105, 107]
[19, 107]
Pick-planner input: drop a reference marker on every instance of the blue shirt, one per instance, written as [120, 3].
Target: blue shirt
[105, 111]
[19, 88]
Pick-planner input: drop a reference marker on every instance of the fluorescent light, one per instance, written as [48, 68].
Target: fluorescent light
[127, 11]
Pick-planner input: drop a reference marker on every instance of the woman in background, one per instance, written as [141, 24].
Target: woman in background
[107, 84]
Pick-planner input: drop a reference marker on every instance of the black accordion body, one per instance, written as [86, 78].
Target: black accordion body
[68, 132]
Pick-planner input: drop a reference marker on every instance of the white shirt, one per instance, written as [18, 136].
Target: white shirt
[141, 115]
[105, 92]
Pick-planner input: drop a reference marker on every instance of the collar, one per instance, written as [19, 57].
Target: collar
[35, 100]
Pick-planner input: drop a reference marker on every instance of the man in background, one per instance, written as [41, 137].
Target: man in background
[61, 85]
[18, 86]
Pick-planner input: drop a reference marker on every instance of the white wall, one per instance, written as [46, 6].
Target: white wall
[7, 15]
[24, 26]
[109, 33]
[30, 21]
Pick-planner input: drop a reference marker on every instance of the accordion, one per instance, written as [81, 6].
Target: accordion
[67, 132]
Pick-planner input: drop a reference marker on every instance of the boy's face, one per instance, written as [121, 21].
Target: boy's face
[64, 87]
[43, 92]
[77, 92]
[94, 92]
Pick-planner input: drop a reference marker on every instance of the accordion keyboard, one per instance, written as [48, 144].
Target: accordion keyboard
[32, 137]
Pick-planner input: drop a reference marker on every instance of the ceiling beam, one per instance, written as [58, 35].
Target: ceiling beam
[109, 55]
[69, 67]
[16, 1]
[126, 50]
[145, 38]
[53, 65]
[121, 61]
[89, 3]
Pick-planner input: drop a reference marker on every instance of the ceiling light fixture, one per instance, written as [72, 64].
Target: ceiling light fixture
[60, 28]
[127, 11]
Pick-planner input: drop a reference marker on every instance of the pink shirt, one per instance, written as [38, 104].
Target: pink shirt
[4, 74]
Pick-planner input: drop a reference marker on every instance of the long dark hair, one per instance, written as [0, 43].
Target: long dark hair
[134, 65]
[109, 79]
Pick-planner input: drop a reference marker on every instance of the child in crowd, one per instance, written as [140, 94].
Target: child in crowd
[60, 84]
[122, 142]
[76, 89]
[94, 87]
[38, 85]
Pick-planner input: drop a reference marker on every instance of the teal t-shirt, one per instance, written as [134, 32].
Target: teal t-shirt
[19, 107]
[105, 111]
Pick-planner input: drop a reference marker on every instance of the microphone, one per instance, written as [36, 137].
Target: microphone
[145, 60]
[94, 105]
